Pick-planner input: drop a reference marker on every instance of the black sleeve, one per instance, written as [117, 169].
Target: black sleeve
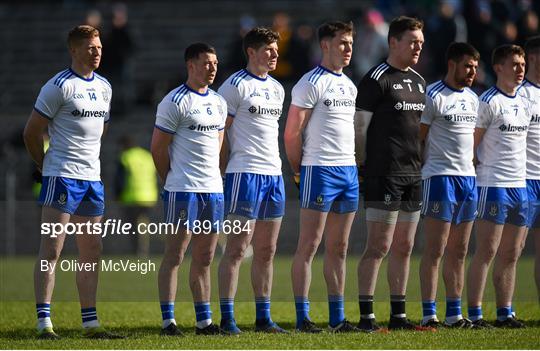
[369, 94]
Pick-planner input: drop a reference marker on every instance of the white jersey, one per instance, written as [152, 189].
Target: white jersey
[531, 93]
[451, 115]
[195, 120]
[503, 149]
[77, 108]
[329, 133]
[256, 105]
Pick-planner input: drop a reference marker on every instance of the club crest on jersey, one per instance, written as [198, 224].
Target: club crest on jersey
[351, 91]
[436, 207]
[387, 199]
[493, 210]
[105, 95]
[420, 88]
[62, 199]
[220, 109]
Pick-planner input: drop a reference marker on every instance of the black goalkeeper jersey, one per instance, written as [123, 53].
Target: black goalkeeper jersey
[397, 99]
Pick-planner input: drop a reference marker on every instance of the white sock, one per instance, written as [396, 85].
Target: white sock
[454, 319]
[91, 324]
[43, 323]
[428, 318]
[166, 322]
[204, 323]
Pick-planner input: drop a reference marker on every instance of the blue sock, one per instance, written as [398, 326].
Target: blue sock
[89, 317]
[453, 310]
[302, 309]
[203, 314]
[226, 306]
[336, 311]
[43, 310]
[475, 313]
[44, 315]
[429, 310]
[504, 313]
[167, 313]
[262, 310]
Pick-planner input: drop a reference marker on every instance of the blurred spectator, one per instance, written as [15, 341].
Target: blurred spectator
[281, 24]
[94, 19]
[528, 26]
[370, 44]
[444, 27]
[302, 54]
[136, 188]
[236, 61]
[117, 58]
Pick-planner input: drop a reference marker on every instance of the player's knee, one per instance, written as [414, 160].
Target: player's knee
[486, 253]
[236, 254]
[457, 253]
[308, 250]
[338, 250]
[92, 250]
[50, 254]
[433, 254]
[265, 254]
[377, 252]
[203, 258]
[173, 259]
[403, 248]
[509, 255]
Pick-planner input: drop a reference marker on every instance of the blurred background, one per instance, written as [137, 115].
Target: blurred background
[143, 45]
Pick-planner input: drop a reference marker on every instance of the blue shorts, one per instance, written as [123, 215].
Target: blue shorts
[533, 191]
[329, 188]
[450, 198]
[205, 208]
[254, 196]
[76, 197]
[503, 205]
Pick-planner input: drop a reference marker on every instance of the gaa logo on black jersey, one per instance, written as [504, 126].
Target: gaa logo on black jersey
[510, 128]
[409, 106]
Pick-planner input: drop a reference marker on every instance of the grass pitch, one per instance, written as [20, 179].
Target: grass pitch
[128, 305]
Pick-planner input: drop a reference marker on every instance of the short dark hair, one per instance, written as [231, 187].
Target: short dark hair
[501, 53]
[401, 24]
[457, 50]
[79, 33]
[329, 29]
[532, 45]
[258, 37]
[194, 50]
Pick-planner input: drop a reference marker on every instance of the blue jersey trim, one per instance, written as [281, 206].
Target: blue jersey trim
[103, 79]
[315, 75]
[179, 94]
[163, 129]
[256, 77]
[437, 88]
[196, 92]
[238, 77]
[531, 83]
[329, 71]
[488, 94]
[449, 87]
[81, 77]
[62, 78]
[503, 93]
[42, 114]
